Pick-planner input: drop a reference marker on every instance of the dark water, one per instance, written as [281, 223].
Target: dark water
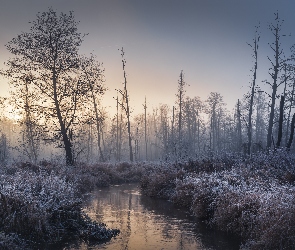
[149, 224]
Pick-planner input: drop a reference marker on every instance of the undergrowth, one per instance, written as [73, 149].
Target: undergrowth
[253, 198]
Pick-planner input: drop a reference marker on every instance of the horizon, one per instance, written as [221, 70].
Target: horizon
[208, 41]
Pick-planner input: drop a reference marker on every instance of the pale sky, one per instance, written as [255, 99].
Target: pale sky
[207, 39]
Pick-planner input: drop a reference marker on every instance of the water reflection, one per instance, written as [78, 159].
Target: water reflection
[150, 224]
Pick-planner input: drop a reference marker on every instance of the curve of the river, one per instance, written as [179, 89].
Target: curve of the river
[148, 223]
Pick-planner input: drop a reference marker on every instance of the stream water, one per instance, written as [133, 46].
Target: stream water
[148, 223]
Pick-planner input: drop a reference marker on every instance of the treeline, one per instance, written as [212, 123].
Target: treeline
[57, 91]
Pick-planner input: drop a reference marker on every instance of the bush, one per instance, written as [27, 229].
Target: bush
[253, 198]
[43, 207]
[160, 182]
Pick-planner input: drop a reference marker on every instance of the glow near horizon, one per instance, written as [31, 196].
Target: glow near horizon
[205, 40]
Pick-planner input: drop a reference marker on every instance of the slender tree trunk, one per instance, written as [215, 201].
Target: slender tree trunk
[257, 131]
[199, 146]
[256, 40]
[213, 127]
[281, 119]
[63, 130]
[120, 144]
[289, 112]
[291, 133]
[239, 126]
[172, 130]
[117, 131]
[274, 75]
[101, 158]
[271, 116]
[145, 130]
[180, 109]
[29, 128]
[125, 95]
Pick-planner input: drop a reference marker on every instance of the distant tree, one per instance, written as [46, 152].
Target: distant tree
[145, 130]
[3, 137]
[192, 108]
[49, 53]
[276, 66]
[254, 46]
[291, 133]
[126, 106]
[163, 131]
[239, 127]
[214, 105]
[180, 101]
[291, 104]
[24, 99]
[92, 74]
[262, 108]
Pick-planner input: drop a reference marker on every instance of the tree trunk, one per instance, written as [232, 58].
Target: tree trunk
[274, 75]
[127, 109]
[145, 130]
[239, 127]
[29, 128]
[289, 113]
[117, 131]
[281, 119]
[63, 130]
[252, 96]
[291, 133]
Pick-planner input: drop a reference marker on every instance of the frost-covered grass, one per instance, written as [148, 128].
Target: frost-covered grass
[89, 176]
[252, 198]
[12, 241]
[39, 204]
[42, 203]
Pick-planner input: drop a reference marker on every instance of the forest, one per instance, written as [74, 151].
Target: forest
[233, 169]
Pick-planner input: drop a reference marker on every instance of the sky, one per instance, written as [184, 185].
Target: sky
[206, 39]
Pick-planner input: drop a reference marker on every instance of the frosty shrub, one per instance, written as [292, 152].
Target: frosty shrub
[44, 207]
[253, 198]
[160, 182]
[276, 219]
[184, 192]
[12, 241]
[87, 177]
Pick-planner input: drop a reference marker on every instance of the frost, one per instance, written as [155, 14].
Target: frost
[254, 198]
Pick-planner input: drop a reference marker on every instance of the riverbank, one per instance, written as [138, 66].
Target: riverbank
[42, 203]
[254, 198]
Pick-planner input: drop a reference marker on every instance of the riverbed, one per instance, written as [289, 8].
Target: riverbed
[148, 224]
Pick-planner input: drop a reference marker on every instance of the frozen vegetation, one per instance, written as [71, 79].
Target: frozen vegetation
[56, 93]
[42, 203]
[251, 198]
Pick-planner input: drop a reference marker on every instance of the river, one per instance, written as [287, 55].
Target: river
[148, 223]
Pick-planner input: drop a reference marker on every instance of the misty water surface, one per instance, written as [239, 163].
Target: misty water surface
[149, 224]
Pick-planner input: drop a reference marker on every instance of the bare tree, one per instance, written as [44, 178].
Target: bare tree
[49, 52]
[215, 103]
[92, 74]
[255, 56]
[291, 133]
[180, 101]
[145, 128]
[291, 104]
[276, 65]
[239, 126]
[125, 105]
